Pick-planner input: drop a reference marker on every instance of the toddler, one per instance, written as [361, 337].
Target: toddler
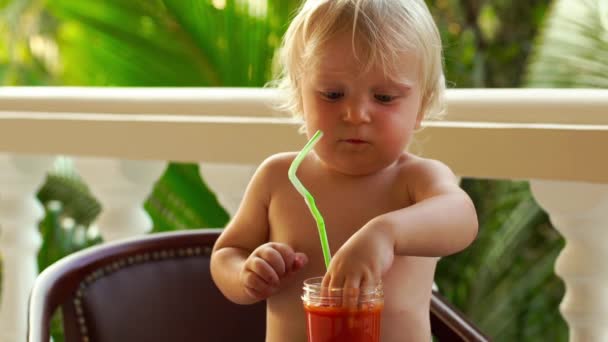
[366, 73]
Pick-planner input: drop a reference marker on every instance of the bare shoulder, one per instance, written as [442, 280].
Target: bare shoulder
[279, 161]
[426, 168]
[427, 177]
[276, 166]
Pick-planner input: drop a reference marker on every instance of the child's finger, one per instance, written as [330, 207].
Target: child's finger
[335, 281]
[299, 261]
[253, 293]
[351, 292]
[367, 281]
[263, 292]
[263, 270]
[352, 282]
[253, 281]
[326, 280]
[275, 260]
[287, 254]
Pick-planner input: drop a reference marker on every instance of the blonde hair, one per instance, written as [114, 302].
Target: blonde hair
[382, 30]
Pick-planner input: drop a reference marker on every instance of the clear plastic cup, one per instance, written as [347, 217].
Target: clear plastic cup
[337, 314]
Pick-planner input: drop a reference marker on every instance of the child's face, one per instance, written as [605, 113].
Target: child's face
[367, 118]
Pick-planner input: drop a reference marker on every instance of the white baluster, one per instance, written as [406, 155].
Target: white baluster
[228, 182]
[579, 211]
[20, 213]
[122, 187]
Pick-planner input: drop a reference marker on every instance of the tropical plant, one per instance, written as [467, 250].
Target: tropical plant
[487, 42]
[573, 47]
[135, 43]
[143, 43]
[505, 281]
[70, 211]
[509, 270]
[571, 52]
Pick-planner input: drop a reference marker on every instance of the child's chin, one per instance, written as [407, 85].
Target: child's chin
[359, 169]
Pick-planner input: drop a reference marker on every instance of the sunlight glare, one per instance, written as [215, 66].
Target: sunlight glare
[603, 13]
[68, 223]
[256, 8]
[219, 4]
[46, 50]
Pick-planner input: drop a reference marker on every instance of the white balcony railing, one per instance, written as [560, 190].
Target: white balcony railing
[121, 140]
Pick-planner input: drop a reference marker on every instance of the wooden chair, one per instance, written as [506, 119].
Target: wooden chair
[158, 288]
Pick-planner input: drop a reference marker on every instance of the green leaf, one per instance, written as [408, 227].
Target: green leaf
[509, 264]
[573, 48]
[128, 43]
[181, 200]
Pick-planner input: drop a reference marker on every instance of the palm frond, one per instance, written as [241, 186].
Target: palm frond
[510, 296]
[511, 237]
[508, 266]
[168, 43]
[127, 43]
[573, 48]
[181, 200]
[76, 200]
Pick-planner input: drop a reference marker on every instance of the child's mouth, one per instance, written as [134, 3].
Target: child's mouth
[355, 141]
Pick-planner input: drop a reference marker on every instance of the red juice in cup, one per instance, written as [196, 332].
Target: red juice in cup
[340, 315]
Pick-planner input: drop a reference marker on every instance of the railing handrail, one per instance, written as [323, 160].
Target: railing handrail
[552, 148]
[524, 105]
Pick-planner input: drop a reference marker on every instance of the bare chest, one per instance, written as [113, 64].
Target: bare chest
[345, 210]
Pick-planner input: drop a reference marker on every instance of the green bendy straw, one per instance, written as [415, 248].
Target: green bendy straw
[310, 201]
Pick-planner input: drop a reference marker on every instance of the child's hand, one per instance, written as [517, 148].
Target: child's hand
[267, 266]
[362, 260]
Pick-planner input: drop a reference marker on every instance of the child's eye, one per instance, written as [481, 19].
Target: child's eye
[332, 95]
[384, 98]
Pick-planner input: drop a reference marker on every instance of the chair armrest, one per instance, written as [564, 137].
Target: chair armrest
[449, 324]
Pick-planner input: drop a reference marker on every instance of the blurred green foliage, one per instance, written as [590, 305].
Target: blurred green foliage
[504, 281]
[572, 51]
[488, 42]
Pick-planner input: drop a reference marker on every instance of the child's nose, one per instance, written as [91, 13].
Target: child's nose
[357, 114]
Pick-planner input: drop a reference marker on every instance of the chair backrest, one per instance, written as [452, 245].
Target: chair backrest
[153, 288]
[158, 288]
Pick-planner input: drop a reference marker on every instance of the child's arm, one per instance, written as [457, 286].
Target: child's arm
[244, 265]
[441, 222]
